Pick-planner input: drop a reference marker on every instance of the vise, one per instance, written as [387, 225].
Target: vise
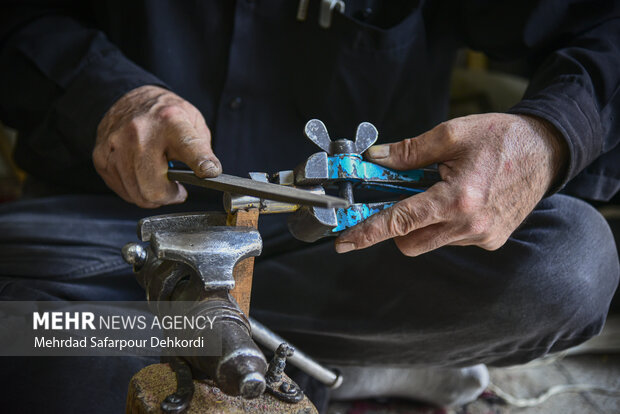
[190, 258]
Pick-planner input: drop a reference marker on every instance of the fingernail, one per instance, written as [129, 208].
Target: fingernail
[208, 168]
[378, 152]
[344, 246]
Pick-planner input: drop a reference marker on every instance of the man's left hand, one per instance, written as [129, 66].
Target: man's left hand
[495, 168]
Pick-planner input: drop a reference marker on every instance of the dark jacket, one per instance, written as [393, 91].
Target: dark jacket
[257, 74]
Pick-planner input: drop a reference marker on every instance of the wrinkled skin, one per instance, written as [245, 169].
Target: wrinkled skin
[495, 168]
[137, 137]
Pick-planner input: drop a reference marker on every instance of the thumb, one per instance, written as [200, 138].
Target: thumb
[186, 144]
[431, 147]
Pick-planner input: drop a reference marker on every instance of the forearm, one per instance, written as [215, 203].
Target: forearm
[574, 48]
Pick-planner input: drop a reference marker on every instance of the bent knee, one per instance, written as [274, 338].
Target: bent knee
[574, 267]
[559, 292]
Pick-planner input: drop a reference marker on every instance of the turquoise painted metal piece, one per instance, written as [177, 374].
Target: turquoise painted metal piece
[356, 213]
[393, 188]
[351, 167]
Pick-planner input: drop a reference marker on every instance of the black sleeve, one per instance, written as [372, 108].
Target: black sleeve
[55, 67]
[575, 48]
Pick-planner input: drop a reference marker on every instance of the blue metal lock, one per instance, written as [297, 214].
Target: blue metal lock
[342, 166]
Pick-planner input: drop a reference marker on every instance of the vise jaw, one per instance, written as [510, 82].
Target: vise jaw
[211, 251]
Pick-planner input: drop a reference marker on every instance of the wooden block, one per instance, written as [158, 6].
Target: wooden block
[151, 385]
[245, 269]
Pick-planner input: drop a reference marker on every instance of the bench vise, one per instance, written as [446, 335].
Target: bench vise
[190, 259]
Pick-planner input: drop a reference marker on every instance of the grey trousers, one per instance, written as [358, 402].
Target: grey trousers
[547, 289]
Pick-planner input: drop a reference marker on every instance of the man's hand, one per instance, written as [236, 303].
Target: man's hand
[137, 137]
[495, 168]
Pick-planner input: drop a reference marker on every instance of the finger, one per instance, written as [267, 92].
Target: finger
[193, 147]
[129, 179]
[426, 239]
[113, 180]
[474, 240]
[401, 219]
[130, 188]
[490, 243]
[201, 126]
[437, 145]
[109, 164]
[181, 194]
[154, 186]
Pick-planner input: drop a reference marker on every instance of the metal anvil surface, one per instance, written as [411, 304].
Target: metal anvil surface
[211, 251]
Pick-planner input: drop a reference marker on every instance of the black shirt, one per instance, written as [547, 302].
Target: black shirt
[258, 74]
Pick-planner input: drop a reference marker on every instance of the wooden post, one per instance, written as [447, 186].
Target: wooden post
[244, 270]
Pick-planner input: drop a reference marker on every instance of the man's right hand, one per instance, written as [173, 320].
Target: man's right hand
[139, 134]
